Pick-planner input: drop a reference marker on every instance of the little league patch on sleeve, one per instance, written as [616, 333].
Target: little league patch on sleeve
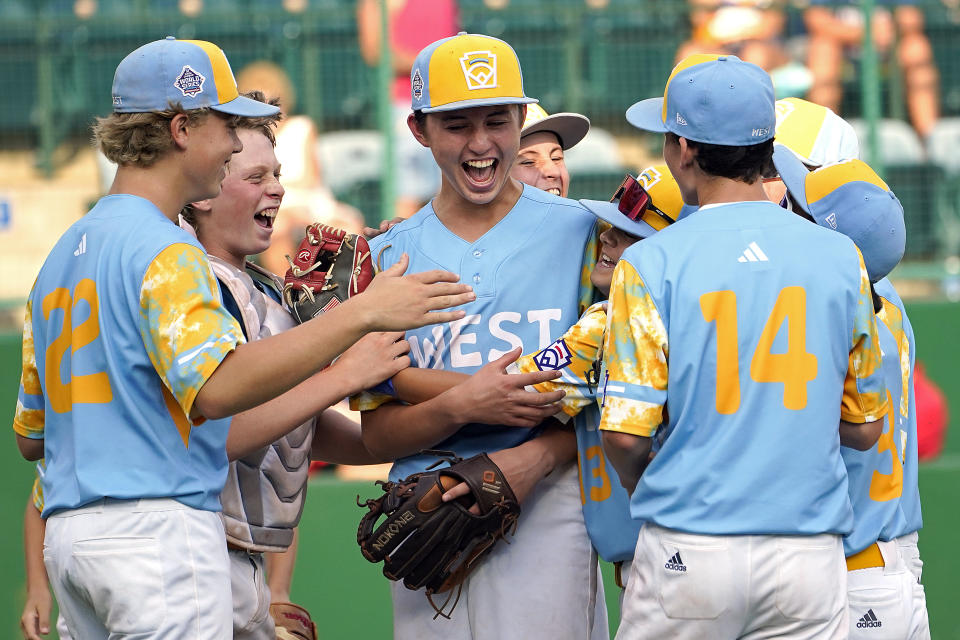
[189, 82]
[555, 357]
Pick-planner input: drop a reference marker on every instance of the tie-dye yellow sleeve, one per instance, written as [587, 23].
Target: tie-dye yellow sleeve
[864, 390]
[575, 355]
[186, 330]
[891, 316]
[28, 421]
[635, 356]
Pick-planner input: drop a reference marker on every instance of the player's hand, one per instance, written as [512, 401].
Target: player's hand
[372, 359]
[520, 466]
[35, 621]
[395, 302]
[493, 396]
[386, 225]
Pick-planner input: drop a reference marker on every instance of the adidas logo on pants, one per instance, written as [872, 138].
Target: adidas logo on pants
[868, 620]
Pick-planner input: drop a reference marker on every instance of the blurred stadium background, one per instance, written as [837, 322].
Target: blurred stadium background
[595, 57]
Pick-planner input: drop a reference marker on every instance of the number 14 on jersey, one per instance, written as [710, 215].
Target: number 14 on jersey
[794, 369]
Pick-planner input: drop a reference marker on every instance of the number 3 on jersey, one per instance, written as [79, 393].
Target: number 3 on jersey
[598, 471]
[92, 387]
[887, 486]
[794, 369]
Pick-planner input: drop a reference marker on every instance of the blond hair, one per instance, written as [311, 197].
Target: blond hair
[139, 139]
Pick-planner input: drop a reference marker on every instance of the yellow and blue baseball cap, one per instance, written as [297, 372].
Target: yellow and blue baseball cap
[849, 197]
[194, 73]
[466, 70]
[570, 128]
[814, 133]
[663, 207]
[712, 99]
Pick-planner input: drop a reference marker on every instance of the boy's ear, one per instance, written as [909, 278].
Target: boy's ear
[417, 132]
[202, 205]
[688, 154]
[179, 130]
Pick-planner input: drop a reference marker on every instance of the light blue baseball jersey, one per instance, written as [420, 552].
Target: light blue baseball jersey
[526, 272]
[894, 316]
[772, 340]
[606, 505]
[124, 326]
[875, 476]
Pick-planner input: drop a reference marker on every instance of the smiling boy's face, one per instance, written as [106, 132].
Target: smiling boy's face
[475, 149]
[613, 242]
[239, 222]
[541, 163]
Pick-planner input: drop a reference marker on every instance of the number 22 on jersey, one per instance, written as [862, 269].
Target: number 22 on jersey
[89, 388]
[794, 369]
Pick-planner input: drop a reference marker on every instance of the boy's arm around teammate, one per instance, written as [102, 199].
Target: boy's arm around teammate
[261, 370]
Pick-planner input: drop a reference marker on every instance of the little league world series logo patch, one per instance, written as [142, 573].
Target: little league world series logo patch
[555, 357]
[189, 82]
[479, 69]
[417, 83]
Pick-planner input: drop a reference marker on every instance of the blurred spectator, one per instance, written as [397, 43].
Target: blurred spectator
[752, 30]
[413, 24]
[932, 414]
[307, 200]
[835, 26]
[748, 29]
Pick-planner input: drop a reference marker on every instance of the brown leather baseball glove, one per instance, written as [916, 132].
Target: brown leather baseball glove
[432, 544]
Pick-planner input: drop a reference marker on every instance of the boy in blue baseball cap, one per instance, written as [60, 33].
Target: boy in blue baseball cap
[883, 562]
[522, 250]
[766, 357]
[132, 366]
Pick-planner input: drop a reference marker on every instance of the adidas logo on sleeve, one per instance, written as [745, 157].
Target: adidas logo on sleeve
[869, 620]
[675, 563]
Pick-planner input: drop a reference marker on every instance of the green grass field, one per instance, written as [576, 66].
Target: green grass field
[349, 598]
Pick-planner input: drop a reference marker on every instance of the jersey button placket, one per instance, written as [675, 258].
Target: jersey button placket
[480, 280]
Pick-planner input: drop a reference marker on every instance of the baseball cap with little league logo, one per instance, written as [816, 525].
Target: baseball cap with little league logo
[850, 198]
[712, 99]
[194, 73]
[466, 70]
[642, 205]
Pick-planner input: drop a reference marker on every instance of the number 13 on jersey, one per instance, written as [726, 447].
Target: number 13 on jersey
[794, 369]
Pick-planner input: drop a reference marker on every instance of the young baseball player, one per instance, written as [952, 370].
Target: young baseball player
[640, 207]
[35, 619]
[817, 136]
[746, 501]
[543, 140]
[520, 248]
[885, 598]
[128, 352]
[265, 490]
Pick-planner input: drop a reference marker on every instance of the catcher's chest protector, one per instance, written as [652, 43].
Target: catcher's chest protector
[264, 492]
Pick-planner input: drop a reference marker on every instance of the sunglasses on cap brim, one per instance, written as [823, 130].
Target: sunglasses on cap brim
[634, 201]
